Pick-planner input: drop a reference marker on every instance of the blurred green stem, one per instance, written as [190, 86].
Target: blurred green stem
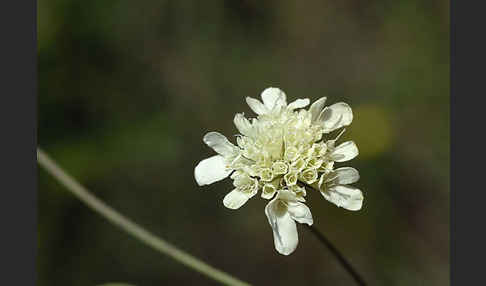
[131, 227]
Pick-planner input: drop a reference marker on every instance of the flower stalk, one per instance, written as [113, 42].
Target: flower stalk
[131, 227]
[340, 257]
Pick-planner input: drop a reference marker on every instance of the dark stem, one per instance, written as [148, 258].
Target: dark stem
[359, 280]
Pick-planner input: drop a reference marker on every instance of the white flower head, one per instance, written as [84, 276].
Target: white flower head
[284, 152]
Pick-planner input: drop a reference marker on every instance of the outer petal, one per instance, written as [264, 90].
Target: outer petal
[235, 199]
[274, 98]
[283, 226]
[345, 152]
[316, 107]
[220, 144]
[344, 176]
[211, 170]
[242, 124]
[335, 116]
[299, 103]
[344, 196]
[300, 212]
[256, 106]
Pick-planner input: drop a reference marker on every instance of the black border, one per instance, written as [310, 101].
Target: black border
[452, 221]
[467, 129]
[18, 117]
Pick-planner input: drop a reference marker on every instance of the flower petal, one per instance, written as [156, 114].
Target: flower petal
[220, 144]
[335, 116]
[211, 170]
[300, 212]
[346, 197]
[283, 226]
[235, 199]
[344, 176]
[345, 152]
[242, 124]
[316, 107]
[299, 103]
[256, 106]
[286, 195]
[274, 98]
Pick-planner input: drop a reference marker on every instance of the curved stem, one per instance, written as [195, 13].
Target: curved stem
[131, 227]
[359, 280]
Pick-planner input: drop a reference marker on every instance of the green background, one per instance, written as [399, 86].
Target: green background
[127, 89]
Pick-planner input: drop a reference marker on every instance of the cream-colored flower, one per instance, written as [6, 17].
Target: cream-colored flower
[281, 152]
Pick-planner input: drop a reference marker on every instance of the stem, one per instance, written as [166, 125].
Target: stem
[131, 227]
[359, 280]
[334, 250]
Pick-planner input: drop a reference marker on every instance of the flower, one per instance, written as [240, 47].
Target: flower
[284, 152]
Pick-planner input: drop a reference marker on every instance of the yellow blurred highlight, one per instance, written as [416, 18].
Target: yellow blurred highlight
[371, 130]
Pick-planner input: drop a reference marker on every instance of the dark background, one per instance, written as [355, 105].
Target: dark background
[127, 90]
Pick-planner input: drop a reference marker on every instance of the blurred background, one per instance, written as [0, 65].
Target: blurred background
[127, 89]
